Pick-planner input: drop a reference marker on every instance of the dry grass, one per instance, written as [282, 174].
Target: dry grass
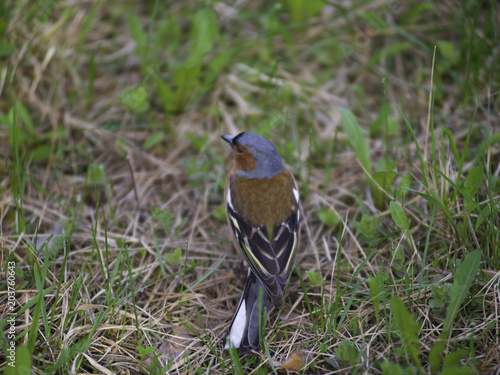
[99, 191]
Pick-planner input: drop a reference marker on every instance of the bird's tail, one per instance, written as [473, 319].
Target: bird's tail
[250, 318]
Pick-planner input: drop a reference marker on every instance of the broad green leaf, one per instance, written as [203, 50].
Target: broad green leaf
[328, 217]
[389, 368]
[135, 99]
[87, 25]
[462, 281]
[186, 80]
[20, 364]
[384, 178]
[204, 31]
[453, 359]
[144, 351]
[408, 328]
[384, 123]
[301, 10]
[199, 141]
[414, 13]
[315, 278]
[174, 257]
[97, 174]
[220, 213]
[404, 183]
[447, 50]
[374, 20]
[458, 371]
[399, 216]
[41, 153]
[357, 138]
[483, 147]
[391, 50]
[453, 145]
[368, 227]
[25, 116]
[376, 289]
[166, 219]
[67, 354]
[153, 140]
[346, 351]
[472, 183]
[136, 30]
[7, 48]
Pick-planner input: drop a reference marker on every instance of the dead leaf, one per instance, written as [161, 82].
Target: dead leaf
[294, 363]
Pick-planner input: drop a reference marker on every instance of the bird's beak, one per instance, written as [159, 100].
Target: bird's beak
[228, 139]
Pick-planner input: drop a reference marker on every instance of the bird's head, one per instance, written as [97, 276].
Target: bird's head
[254, 155]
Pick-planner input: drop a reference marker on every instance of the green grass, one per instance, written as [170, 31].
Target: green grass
[112, 176]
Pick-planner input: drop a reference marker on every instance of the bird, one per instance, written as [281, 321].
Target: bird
[262, 209]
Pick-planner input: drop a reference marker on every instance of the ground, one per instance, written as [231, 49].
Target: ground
[115, 254]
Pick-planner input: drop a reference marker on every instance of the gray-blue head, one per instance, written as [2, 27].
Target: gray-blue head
[255, 156]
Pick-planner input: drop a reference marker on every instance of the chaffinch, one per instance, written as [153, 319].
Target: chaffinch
[262, 208]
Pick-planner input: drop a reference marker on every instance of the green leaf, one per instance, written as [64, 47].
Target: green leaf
[204, 31]
[166, 219]
[389, 368]
[389, 51]
[97, 174]
[441, 296]
[153, 140]
[453, 359]
[368, 227]
[144, 352]
[198, 141]
[301, 10]
[453, 145]
[385, 178]
[472, 183]
[399, 216]
[404, 183]
[20, 364]
[67, 354]
[135, 99]
[7, 48]
[346, 351]
[384, 123]
[357, 138]
[408, 328]
[462, 282]
[174, 257]
[41, 153]
[24, 114]
[458, 371]
[414, 13]
[447, 50]
[376, 289]
[186, 80]
[378, 126]
[220, 213]
[136, 31]
[375, 292]
[315, 278]
[328, 217]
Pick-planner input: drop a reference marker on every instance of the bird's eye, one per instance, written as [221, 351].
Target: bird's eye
[239, 149]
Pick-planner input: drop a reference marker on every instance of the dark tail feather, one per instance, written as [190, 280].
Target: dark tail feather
[243, 332]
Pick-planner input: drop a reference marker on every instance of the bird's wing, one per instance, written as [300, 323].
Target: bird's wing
[271, 261]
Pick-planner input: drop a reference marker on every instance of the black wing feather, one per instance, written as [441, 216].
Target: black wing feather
[272, 264]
